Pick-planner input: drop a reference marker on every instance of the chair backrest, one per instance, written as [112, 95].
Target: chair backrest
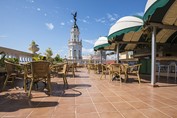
[115, 67]
[134, 68]
[10, 67]
[104, 67]
[99, 67]
[40, 69]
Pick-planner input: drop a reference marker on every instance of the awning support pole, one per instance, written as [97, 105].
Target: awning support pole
[117, 52]
[101, 55]
[153, 58]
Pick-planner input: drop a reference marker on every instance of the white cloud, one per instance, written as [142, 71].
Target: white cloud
[100, 20]
[50, 26]
[62, 23]
[85, 21]
[38, 9]
[71, 21]
[31, 1]
[112, 17]
[140, 13]
[45, 14]
[89, 41]
[86, 51]
[88, 17]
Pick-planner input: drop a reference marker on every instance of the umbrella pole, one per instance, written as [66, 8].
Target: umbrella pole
[153, 57]
[101, 56]
[117, 52]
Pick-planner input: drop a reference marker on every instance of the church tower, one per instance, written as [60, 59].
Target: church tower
[74, 43]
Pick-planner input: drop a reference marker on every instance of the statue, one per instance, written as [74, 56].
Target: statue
[74, 17]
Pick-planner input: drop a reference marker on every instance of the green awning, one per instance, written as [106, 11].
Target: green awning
[152, 6]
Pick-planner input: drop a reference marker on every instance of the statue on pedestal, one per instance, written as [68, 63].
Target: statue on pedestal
[74, 17]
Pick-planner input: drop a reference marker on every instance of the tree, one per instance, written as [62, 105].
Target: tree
[49, 54]
[57, 58]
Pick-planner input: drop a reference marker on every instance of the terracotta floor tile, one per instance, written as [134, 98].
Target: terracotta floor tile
[105, 107]
[42, 112]
[96, 94]
[111, 115]
[139, 105]
[99, 100]
[129, 98]
[114, 99]
[83, 100]
[169, 111]
[153, 113]
[67, 101]
[63, 109]
[69, 115]
[88, 115]
[108, 94]
[132, 114]
[86, 108]
[155, 103]
[123, 106]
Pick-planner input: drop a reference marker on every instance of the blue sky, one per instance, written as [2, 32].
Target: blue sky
[49, 22]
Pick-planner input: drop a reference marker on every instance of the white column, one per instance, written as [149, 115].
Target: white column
[153, 57]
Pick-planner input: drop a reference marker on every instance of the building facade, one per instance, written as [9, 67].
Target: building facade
[74, 43]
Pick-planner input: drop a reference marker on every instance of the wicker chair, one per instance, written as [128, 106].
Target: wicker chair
[39, 72]
[103, 70]
[115, 71]
[134, 70]
[11, 73]
[64, 73]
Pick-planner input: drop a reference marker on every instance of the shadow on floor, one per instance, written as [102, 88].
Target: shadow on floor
[10, 102]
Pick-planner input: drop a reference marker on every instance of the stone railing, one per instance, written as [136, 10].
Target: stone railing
[22, 56]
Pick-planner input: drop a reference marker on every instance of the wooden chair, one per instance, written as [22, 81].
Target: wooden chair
[134, 70]
[115, 71]
[11, 73]
[39, 72]
[64, 73]
[103, 70]
[98, 68]
[75, 66]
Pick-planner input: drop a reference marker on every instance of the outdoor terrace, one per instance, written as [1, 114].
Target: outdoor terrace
[90, 97]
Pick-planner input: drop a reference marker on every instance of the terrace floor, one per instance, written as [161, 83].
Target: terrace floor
[90, 97]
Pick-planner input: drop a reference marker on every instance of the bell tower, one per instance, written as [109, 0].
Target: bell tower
[74, 43]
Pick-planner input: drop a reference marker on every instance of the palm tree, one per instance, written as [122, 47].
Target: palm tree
[49, 54]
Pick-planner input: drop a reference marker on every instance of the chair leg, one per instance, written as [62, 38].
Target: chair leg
[110, 77]
[24, 84]
[101, 76]
[66, 82]
[49, 86]
[5, 83]
[139, 78]
[12, 81]
[31, 85]
[120, 78]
